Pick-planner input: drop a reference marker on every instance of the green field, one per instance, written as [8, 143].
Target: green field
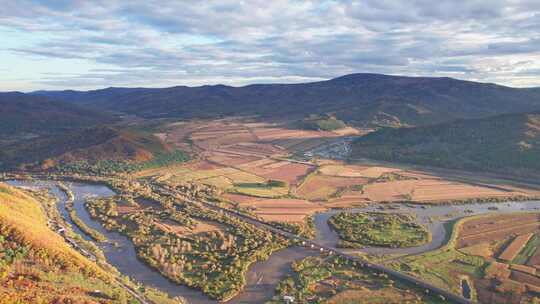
[527, 251]
[335, 280]
[269, 189]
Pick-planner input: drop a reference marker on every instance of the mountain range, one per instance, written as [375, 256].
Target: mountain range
[358, 99]
[25, 113]
[439, 121]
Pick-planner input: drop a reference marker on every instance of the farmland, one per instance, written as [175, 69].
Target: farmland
[283, 209]
[323, 187]
[268, 171]
[232, 153]
[333, 280]
[496, 253]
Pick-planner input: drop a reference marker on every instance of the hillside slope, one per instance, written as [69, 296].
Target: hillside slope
[506, 143]
[23, 113]
[358, 99]
[107, 148]
[37, 266]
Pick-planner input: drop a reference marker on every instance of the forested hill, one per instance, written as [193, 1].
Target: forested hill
[23, 113]
[99, 149]
[507, 143]
[357, 99]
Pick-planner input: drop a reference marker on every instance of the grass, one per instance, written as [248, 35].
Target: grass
[37, 266]
[334, 280]
[218, 181]
[269, 189]
[94, 234]
[446, 266]
[378, 229]
[443, 267]
[527, 251]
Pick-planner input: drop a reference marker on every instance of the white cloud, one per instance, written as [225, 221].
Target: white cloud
[157, 43]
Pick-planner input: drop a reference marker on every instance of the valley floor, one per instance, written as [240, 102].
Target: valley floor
[292, 179]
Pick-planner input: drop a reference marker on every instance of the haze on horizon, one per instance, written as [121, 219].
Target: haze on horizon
[94, 44]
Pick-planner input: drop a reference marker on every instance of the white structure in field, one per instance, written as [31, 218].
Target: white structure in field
[288, 299]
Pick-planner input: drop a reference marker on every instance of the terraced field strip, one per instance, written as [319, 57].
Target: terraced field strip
[503, 228]
[515, 247]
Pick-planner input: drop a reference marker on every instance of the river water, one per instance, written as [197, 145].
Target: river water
[263, 276]
[433, 217]
[261, 279]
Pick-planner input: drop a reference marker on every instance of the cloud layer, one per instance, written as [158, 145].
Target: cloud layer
[162, 43]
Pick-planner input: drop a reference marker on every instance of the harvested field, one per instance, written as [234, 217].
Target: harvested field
[222, 177]
[515, 247]
[322, 187]
[496, 228]
[433, 190]
[278, 170]
[376, 172]
[260, 190]
[346, 202]
[523, 268]
[269, 134]
[525, 278]
[227, 159]
[240, 199]
[365, 295]
[291, 173]
[283, 210]
[343, 170]
[203, 165]
[497, 271]
[483, 249]
[300, 144]
[221, 182]
[162, 170]
[417, 175]
[535, 259]
[260, 162]
[238, 177]
[219, 141]
[187, 175]
[257, 149]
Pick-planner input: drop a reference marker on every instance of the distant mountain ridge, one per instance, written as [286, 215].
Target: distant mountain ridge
[25, 113]
[507, 143]
[358, 99]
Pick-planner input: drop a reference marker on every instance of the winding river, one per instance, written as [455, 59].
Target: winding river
[261, 278]
[433, 217]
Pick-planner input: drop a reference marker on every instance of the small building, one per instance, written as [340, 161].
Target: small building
[288, 299]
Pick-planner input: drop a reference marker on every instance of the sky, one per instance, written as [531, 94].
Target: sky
[81, 45]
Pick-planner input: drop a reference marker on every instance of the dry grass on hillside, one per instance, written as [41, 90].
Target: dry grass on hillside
[37, 266]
